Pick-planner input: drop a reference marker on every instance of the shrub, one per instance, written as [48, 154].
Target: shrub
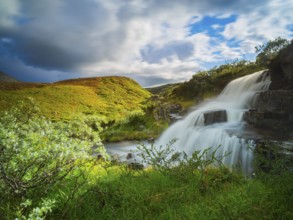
[166, 159]
[267, 52]
[36, 154]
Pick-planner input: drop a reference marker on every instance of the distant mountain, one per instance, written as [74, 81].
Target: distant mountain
[5, 78]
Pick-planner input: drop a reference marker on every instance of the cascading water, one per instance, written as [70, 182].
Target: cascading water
[193, 133]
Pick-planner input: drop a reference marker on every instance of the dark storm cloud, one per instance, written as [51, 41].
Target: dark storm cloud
[22, 72]
[59, 37]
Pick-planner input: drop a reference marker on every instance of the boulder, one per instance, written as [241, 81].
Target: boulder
[217, 116]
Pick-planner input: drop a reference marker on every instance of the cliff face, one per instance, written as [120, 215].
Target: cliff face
[273, 112]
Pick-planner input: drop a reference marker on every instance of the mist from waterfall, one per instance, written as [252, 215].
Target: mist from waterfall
[192, 134]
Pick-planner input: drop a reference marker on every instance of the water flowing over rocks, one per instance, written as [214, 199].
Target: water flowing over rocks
[250, 111]
[219, 122]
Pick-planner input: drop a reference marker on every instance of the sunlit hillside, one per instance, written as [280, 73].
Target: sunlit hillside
[113, 97]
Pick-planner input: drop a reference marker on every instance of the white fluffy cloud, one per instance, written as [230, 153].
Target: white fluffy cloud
[147, 40]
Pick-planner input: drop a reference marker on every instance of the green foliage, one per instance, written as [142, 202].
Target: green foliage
[218, 194]
[267, 52]
[37, 213]
[135, 127]
[166, 160]
[161, 157]
[211, 82]
[191, 190]
[36, 155]
[272, 158]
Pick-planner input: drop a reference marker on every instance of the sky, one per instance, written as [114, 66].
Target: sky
[152, 41]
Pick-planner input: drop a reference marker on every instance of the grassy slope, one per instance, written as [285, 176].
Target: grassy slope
[113, 97]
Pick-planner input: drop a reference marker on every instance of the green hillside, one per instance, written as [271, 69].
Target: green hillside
[113, 97]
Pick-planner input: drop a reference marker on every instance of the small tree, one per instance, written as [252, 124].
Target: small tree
[267, 52]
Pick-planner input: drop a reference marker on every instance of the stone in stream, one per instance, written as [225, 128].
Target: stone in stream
[216, 116]
[135, 166]
[130, 156]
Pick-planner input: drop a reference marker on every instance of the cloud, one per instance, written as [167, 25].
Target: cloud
[181, 50]
[148, 40]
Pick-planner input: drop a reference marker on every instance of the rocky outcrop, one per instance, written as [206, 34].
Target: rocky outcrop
[212, 117]
[273, 109]
[281, 70]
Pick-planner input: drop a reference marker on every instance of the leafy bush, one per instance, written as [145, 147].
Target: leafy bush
[267, 52]
[165, 159]
[161, 158]
[36, 155]
[214, 80]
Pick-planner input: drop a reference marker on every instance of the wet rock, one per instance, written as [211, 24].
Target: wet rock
[276, 122]
[274, 101]
[217, 116]
[273, 111]
[130, 156]
[135, 166]
[151, 140]
[115, 159]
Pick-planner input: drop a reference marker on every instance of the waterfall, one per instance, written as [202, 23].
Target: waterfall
[198, 132]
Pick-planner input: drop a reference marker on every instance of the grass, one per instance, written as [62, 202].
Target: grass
[220, 194]
[116, 192]
[112, 98]
[101, 190]
[116, 101]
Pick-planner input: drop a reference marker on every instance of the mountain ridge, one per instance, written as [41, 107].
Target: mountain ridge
[6, 78]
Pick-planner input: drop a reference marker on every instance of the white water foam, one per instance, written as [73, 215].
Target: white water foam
[192, 134]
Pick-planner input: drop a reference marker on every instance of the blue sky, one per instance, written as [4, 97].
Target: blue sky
[211, 25]
[153, 42]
